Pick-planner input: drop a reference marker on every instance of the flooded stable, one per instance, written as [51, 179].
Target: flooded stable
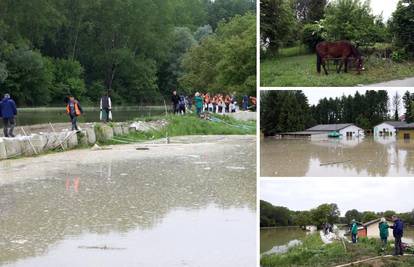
[384, 156]
[188, 203]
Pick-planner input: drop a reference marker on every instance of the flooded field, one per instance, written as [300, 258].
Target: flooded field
[190, 203]
[278, 240]
[30, 116]
[337, 157]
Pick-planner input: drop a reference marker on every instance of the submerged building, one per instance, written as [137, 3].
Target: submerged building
[388, 128]
[406, 131]
[325, 131]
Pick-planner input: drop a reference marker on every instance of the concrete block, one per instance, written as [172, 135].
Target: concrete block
[117, 129]
[90, 133]
[3, 153]
[13, 147]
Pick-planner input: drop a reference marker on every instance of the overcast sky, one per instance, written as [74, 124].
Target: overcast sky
[315, 94]
[362, 194]
[387, 7]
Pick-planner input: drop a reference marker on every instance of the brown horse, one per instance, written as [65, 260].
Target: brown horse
[340, 50]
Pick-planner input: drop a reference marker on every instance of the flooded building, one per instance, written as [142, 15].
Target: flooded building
[342, 129]
[325, 131]
[405, 132]
[388, 128]
[371, 229]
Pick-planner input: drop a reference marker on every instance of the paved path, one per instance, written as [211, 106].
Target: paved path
[397, 83]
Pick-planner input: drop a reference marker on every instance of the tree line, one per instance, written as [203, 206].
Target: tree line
[288, 111]
[271, 216]
[286, 23]
[138, 50]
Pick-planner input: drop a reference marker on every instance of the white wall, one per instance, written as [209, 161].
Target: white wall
[381, 127]
[373, 231]
[356, 131]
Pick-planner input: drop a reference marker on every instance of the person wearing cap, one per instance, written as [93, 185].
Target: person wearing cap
[397, 232]
[354, 231]
[74, 109]
[8, 111]
[383, 231]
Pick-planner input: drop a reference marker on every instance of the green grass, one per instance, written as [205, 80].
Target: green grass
[314, 253]
[301, 71]
[190, 125]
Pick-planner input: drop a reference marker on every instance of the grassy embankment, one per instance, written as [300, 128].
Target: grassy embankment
[314, 253]
[190, 125]
[293, 67]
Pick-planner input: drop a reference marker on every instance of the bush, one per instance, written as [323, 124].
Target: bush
[312, 35]
[399, 55]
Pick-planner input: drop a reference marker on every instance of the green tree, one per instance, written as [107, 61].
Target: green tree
[325, 213]
[351, 20]
[402, 25]
[353, 215]
[277, 22]
[408, 105]
[225, 61]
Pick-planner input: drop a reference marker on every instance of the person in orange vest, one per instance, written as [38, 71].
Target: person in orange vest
[74, 109]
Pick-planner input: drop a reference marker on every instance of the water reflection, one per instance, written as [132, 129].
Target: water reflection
[339, 157]
[128, 196]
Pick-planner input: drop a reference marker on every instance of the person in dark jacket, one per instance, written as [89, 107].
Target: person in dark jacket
[397, 231]
[106, 107]
[74, 109]
[8, 111]
[175, 99]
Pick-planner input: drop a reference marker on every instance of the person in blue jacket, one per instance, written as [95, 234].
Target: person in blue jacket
[8, 111]
[398, 231]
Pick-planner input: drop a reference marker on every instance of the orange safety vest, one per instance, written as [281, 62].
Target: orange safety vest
[77, 110]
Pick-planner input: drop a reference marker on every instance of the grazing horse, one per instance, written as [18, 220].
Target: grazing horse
[341, 50]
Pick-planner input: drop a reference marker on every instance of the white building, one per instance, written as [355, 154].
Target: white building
[388, 128]
[344, 129]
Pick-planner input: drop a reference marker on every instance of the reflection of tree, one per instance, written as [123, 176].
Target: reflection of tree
[120, 196]
[408, 147]
[302, 158]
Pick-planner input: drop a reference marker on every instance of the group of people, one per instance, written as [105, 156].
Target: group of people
[217, 103]
[397, 230]
[8, 112]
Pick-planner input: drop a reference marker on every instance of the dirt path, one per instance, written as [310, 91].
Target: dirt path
[396, 83]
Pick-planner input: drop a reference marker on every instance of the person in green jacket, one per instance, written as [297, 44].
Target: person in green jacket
[198, 103]
[354, 231]
[383, 230]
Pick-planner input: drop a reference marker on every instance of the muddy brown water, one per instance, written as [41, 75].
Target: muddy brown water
[191, 203]
[339, 157]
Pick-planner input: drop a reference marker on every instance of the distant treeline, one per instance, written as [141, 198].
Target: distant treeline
[140, 50]
[286, 111]
[271, 216]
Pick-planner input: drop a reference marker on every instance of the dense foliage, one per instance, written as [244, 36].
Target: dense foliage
[286, 111]
[288, 23]
[51, 48]
[271, 215]
[225, 61]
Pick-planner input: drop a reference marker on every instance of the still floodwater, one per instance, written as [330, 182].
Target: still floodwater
[278, 239]
[338, 157]
[30, 116]
[189, 204]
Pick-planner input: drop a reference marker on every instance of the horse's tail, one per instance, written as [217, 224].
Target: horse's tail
[318, 62]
